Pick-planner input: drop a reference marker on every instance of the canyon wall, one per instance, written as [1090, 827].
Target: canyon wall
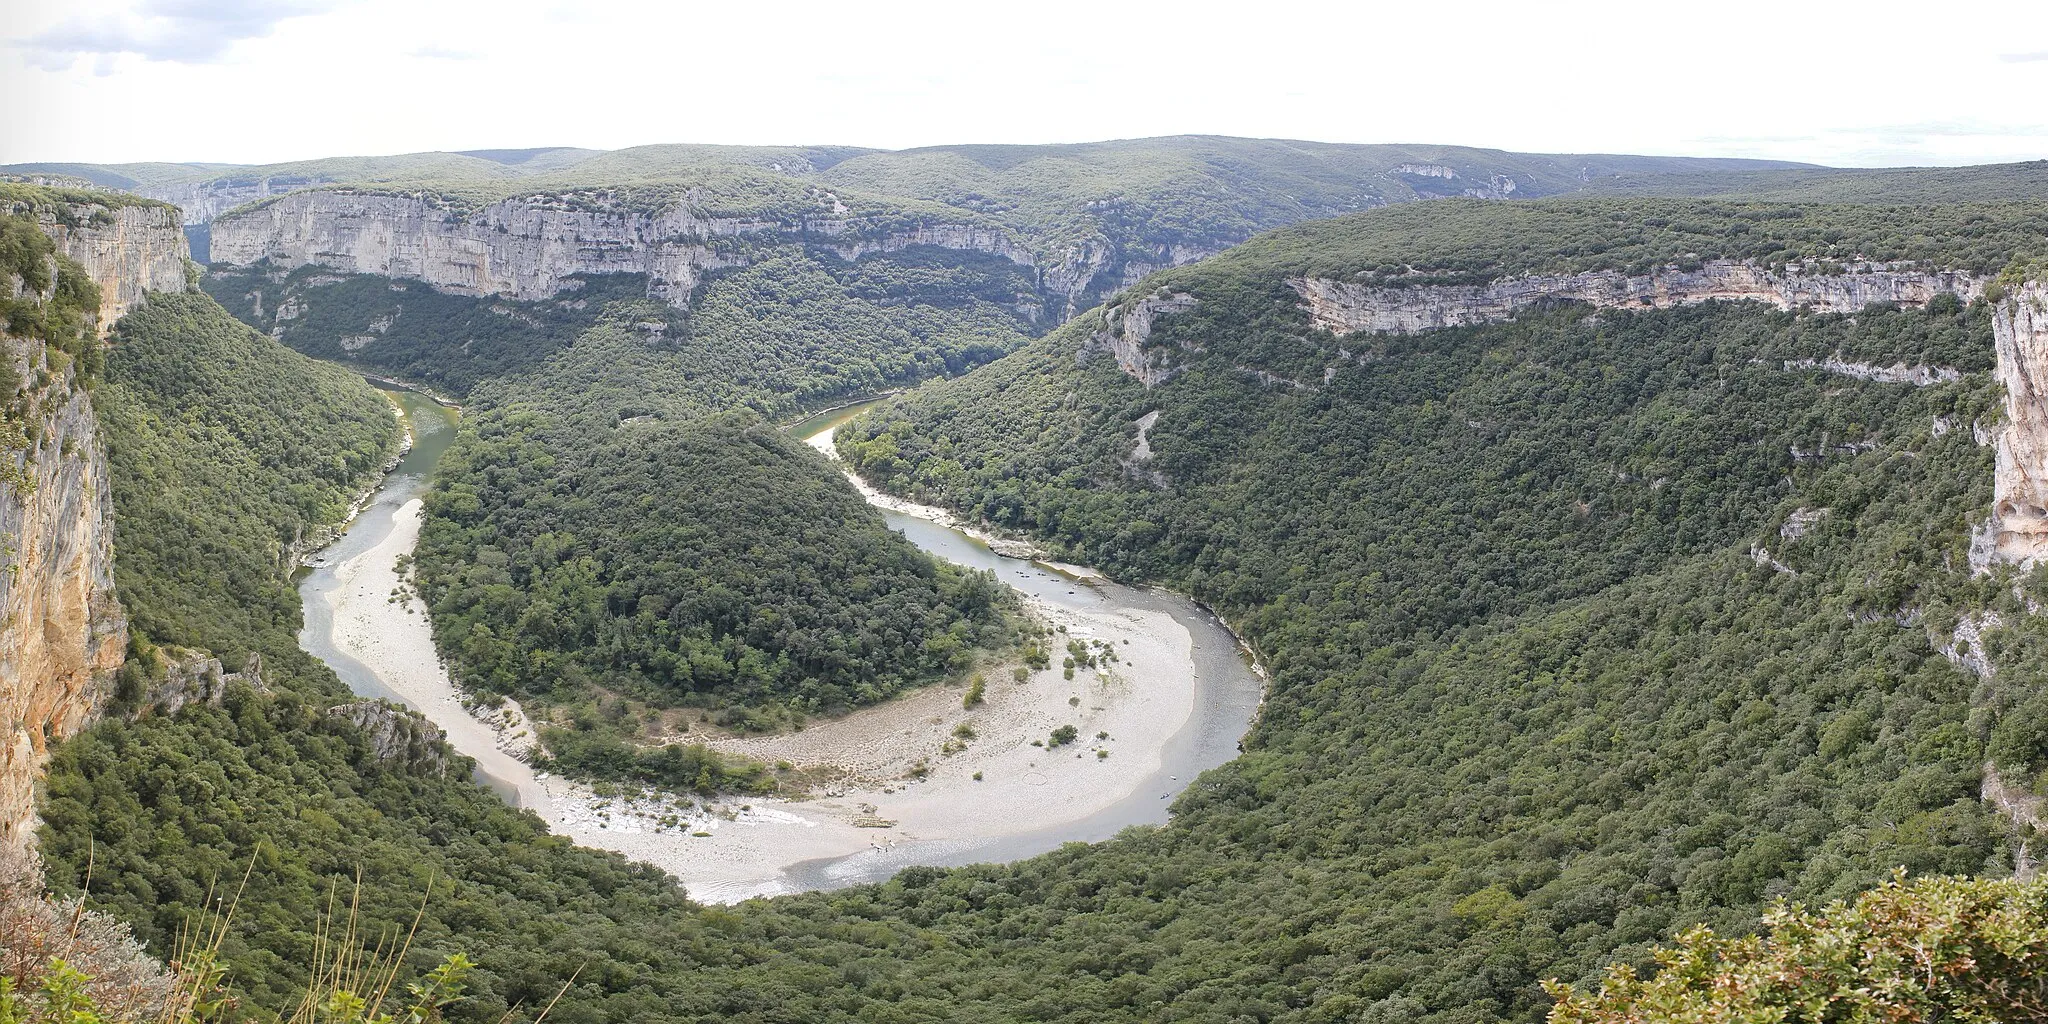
[202, 201]
[1343, 308]
[128, 250]
[520, 249]
[2018, 530]
[528, 248]
[62, 632]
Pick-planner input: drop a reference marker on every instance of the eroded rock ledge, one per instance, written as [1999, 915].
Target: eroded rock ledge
[1345, 308]
[2017, 533]
[1127, 330]
[63, 634]
[528, 248]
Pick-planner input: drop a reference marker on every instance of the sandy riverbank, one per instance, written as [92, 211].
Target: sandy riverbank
[907, 791]
[1008, 547]
[1139, 700]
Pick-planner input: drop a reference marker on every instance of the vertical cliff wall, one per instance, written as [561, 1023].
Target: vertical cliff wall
[2018, 530]
[530, 247]
[62, 632]
[1342, 307]
[129, 251]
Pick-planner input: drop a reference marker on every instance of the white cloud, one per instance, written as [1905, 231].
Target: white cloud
[436, 52]
[184, 31]
[248, 81]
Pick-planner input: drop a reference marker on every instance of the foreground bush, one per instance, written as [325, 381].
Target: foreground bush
[1930, 949]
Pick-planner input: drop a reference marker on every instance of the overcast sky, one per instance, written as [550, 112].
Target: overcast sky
[268, 80]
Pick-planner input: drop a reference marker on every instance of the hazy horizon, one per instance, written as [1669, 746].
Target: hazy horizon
[472, 151]
[253, 82]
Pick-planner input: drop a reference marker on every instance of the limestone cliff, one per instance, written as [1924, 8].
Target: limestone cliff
[129, 251]
[2018, 530]
[530, 247]
[1126, 332]
[62, 632]
[520, 248]
[1343, 308]
[202, 201]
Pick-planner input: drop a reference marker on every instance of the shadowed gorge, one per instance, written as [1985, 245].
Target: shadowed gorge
[1624, 544]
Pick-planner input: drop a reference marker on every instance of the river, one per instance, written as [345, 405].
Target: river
[1180, 713]
[432, 427]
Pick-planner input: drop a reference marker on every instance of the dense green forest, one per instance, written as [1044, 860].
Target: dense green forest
[794, 327]
[1542, 692]
[1584, 629]
[409, 330]
[1463, 241]
[624, 521]
[226, 452]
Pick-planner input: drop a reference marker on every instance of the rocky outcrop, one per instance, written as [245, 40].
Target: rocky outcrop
[396, 735]
[1126, 332]
[197, 677]
[202, 201]
[62, 633]
[2027, 812]
[1342, 307]
[521, 248]
[129, 251]
[1898, 373]
[2017, 533]
[533, 247]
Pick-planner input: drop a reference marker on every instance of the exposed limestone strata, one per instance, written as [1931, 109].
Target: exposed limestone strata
[129, 252]
[529, 248]
[1126, 331]
[1343, 308]
[1897, 373]
[522, 249]
[202, 201]
[2018, 531]
[62, 633]
[973, 237]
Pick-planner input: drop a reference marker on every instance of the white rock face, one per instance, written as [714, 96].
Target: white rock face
[527, 248]
[2018, 531]
[522, 249]
[202, 201]
[140, 249]
[62, 631]
[977, 238]
[1124, 336]
[1343, 308]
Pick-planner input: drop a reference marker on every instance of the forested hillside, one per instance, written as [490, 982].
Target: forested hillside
[228, 455]
[625, 521]
[1584, 628]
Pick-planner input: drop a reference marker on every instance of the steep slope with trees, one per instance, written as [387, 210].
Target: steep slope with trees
[1585, 628]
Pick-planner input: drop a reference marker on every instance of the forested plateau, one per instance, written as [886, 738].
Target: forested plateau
[1585, 627]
